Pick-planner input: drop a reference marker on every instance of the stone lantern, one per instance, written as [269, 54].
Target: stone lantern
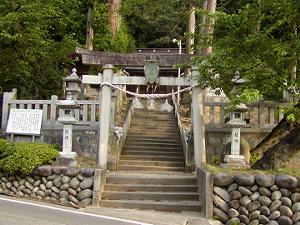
[235, 159]
[67, 118]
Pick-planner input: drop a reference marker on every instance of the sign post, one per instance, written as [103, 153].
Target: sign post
[24, 122]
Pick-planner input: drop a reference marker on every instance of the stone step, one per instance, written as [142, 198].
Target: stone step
[153, 120]
[155, 132]
[151, 112]
[152, 158]
[174, 178]
[151, 148]
[152, 188]
[154, 127]
[161, 131]
[145, 110]
[146, 143]
[150, 168]
[152, 153]
[158, 128]
[154, 205]
[144, 195]
[153, 135]
[151, 163]
[154, 140]
[150, 120]
[154, 113]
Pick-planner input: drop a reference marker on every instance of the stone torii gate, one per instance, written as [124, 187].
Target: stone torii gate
[136, 59]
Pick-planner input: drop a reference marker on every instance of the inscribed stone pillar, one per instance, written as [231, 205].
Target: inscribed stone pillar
[235, 141]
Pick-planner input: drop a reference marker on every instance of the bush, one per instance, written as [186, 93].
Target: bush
[4, 148]
[23, 158]
[254, 158]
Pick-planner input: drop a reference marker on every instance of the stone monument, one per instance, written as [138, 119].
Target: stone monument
[235, 159]
[67, 118]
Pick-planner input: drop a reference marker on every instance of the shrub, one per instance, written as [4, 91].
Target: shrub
[254, 158]
[23, 158]
[4, 148]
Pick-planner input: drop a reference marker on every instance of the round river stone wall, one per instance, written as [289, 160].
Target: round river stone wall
[256, 199]
[64, 185]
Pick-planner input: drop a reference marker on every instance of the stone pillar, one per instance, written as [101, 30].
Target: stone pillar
[67, 157]
[235, 140]
[105, 104]
[67, 141]
[235, 160]
[114, 107]
[198, 121]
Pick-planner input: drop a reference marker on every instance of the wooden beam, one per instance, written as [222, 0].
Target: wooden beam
[134, 80]
[131, 60]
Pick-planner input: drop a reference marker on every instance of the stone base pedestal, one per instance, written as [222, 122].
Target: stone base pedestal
[235, 162]
[66, 159]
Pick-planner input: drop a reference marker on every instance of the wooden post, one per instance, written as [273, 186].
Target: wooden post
[7, 96]
[198, 121]
[105, 103]
[113, 108]
[54, 100]
[261, 114]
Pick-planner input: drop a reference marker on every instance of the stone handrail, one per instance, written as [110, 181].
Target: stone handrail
[262, 114]
[187, 155]
[127, 122]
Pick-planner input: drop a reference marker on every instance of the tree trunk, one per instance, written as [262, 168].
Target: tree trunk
[273, 138]
[294, 71]
[191, 25]
[114, 16]
[279, 147]
[201, 26]
[294, 66]
[89, 25]
[279, 155]
[209, 26]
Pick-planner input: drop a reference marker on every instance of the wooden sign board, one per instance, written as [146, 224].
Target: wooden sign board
[25, 121]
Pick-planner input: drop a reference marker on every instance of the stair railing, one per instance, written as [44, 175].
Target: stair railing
[184, 142]
[127, 122]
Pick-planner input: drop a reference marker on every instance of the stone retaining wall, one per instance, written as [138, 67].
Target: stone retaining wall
[67, 186]
[254, 200]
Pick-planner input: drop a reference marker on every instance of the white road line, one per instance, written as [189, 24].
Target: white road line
[75, 212]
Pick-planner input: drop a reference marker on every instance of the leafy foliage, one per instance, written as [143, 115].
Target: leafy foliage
[103, 41]
[254, 158]
[293, 112]
[35, 38]
[258, 39]
[23, 158]
[155, 24]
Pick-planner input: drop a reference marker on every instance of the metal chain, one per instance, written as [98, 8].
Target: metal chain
[148, 95]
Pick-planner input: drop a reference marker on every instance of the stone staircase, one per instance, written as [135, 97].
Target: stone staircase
[151, 168]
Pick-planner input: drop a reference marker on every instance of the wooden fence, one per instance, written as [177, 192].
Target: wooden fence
[87, 115]
[262, 115]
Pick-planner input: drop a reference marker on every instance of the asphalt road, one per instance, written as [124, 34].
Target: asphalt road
[18, 212]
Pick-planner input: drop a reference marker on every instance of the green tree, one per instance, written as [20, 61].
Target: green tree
[155, 24]
[105, 39]
[35, 38]
[259, 40]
